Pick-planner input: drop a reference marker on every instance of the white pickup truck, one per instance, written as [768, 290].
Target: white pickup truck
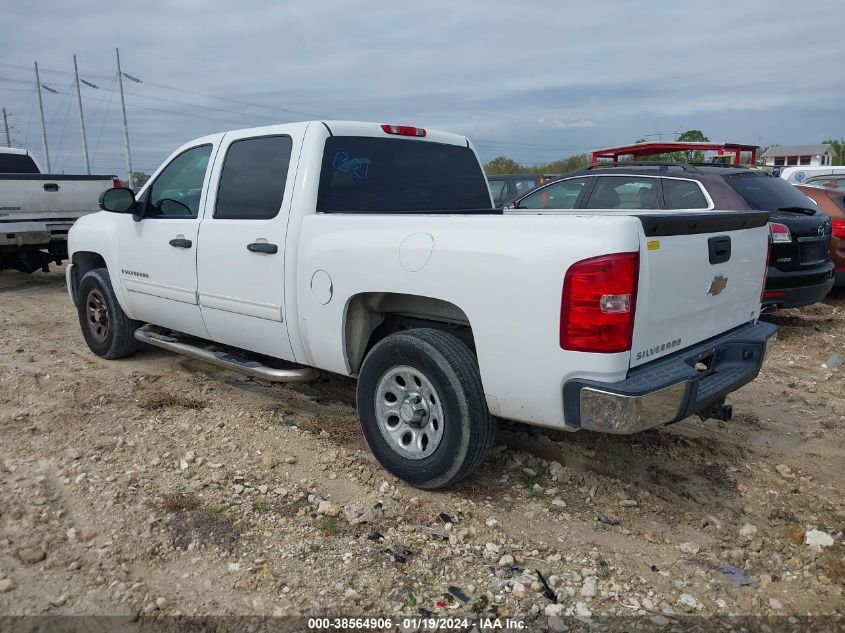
[373, 251]
[37, 210]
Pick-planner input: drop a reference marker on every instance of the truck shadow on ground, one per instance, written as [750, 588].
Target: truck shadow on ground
[815, 318]
[681, 468]
[14, 281]
[685, 465]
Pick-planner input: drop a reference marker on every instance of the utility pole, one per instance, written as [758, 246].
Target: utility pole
[43, 124]
[125, 126]
[6, 125]
[81, 119]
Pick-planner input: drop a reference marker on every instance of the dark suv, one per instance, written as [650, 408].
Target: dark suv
[800, 271]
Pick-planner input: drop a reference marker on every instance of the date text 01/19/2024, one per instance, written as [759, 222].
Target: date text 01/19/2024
[413, 623]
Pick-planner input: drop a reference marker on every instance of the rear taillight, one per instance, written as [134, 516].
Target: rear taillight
[598, 303]
[839, 228]
[779, 232]
[115, 182]
[403, 130]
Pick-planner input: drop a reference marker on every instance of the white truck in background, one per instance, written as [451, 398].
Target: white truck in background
[373, 251]
[37, 210]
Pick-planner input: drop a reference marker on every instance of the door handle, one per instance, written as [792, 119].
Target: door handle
[51, 186]
[262, 247]
[181, 242]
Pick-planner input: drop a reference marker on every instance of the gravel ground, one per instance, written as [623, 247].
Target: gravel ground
[157, 485]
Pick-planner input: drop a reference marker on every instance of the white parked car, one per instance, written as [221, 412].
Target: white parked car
[373, 251]
[37, 210]
[797, 175]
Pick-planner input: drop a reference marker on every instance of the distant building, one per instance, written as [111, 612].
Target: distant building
[817, 155]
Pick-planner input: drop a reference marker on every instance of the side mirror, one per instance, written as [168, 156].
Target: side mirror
[117, 200]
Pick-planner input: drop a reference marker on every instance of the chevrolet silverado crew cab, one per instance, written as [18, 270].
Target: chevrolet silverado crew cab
[800, 272]
[373, 251]
[37, 210]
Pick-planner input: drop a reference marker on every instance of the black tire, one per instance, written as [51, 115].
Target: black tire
[107, 330]
[451, 368]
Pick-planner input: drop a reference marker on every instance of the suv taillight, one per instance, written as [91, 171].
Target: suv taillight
[598, 302]
[839, 228]
[779, 232]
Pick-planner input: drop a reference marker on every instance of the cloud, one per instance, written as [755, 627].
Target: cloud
[534, 82]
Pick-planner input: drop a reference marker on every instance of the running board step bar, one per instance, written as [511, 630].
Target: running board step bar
[224, 359]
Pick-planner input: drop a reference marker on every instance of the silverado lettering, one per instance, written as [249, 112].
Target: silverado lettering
[659, 349]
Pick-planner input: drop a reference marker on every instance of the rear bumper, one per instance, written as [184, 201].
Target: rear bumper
[799, 288]
[839, 277]
[670, 389]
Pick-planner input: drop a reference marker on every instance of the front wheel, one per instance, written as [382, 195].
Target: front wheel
[107, 330]
[422, 408]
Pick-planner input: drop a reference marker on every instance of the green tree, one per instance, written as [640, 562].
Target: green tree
[503, 165]
[688, 156]
[838, 157]
[139, 178]
[565, 165]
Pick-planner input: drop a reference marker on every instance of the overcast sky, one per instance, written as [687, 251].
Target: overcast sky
[533, 81]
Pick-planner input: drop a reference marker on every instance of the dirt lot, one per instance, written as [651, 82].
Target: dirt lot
[158, 485]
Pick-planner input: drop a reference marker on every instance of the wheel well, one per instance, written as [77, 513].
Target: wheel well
[371, 316]
[84, 261]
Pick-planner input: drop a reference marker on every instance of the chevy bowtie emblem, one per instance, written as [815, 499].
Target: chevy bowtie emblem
[718, 284]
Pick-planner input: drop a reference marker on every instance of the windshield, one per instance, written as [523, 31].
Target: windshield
[378, 175]
[766, 193]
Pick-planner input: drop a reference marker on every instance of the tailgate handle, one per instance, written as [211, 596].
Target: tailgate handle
[719, 248]
[51, 186]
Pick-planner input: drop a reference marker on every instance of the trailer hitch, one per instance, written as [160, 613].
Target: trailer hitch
[718, 411]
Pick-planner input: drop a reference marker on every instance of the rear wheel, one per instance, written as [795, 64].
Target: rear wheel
[107, 330]
[422, 408]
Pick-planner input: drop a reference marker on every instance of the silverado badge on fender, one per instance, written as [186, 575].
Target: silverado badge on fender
[718, 284]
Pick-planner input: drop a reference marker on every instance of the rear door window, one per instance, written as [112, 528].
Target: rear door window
[388, 175]
[562, 194]
[252, 184]
[683, 194]
[623, 192]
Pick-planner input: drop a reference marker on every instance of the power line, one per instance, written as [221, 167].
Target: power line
[177, 89]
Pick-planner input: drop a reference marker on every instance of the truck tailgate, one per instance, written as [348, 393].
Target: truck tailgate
[47, 196]
[701, 274]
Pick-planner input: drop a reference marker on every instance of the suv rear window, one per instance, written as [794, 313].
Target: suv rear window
[767, 193]
[387, 175]
[17, 164]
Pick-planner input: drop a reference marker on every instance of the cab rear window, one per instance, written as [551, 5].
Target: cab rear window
[388, 175]
[17, 164]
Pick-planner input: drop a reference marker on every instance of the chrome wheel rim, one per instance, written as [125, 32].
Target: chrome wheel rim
[98, 316]
[409, 412]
